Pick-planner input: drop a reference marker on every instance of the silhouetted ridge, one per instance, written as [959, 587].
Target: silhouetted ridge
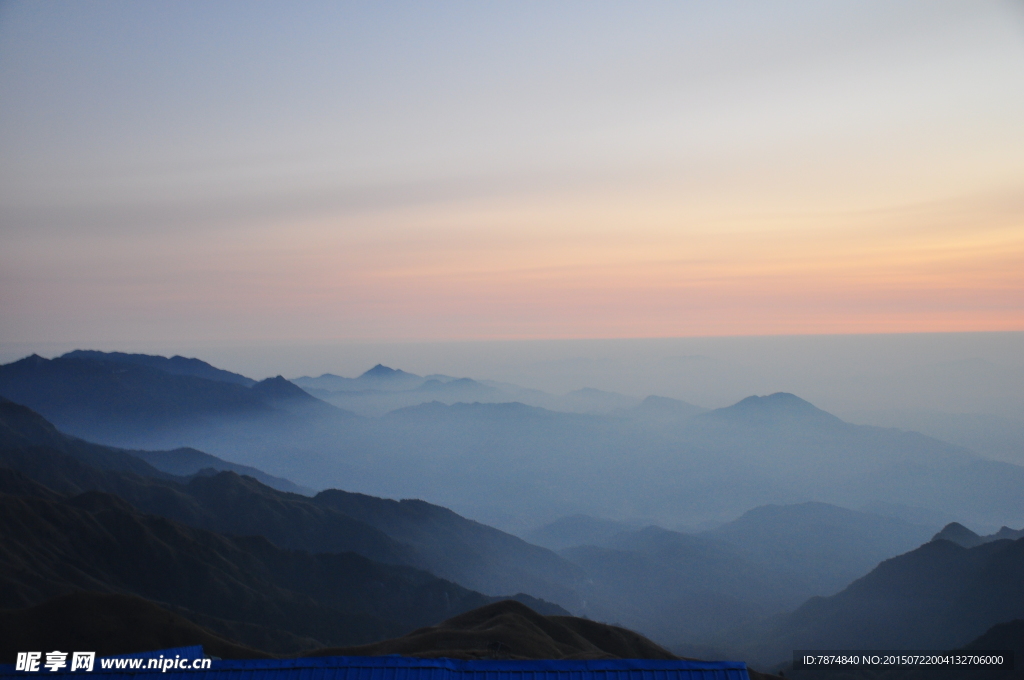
[176, 365]
[511, 630]
[382, 371]
[186, 462]
[21, 429]
[278, 389]
[1008, 635]
[96, 541]
[119, 402]
[136, 406]
[412, 533]
[939, 596]
[959, 534]
[21, 426]
[467, 552]
[1007, 532]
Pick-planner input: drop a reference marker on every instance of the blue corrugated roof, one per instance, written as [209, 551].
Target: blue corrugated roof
[409, 668]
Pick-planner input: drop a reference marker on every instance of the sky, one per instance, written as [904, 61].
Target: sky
[187, 172]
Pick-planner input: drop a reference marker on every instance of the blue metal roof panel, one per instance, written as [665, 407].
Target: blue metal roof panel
[411, 668]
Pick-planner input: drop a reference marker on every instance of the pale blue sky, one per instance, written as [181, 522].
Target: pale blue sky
[180, 169]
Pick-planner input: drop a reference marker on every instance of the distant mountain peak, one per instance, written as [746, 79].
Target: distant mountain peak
[655, 400]
[386, 372]
[776, 400]
[30, 360]
[278, 387]
[959, 534]
[774, 408]
[666, 407]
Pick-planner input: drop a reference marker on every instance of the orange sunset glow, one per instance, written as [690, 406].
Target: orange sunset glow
[684, 171]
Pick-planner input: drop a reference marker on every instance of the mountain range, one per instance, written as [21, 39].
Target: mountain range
[517, 466]
[126, 402]
[415, 533]
[201, 545]
[770, 560]
[964, 537]
[295, 571]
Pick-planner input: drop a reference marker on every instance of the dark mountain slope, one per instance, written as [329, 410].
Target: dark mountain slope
[510, 630]
[176, 365]
[1008, 636]
[675, 586]
[108, 624]
[136, 406]
[116, 402]
[224, 502]
[242, 506]
[114, 624]
[67, 475]
[954, 532]
[97, 542]
[939, 596]
[20, 426]
[185, 462]
[962, 536]
[411, 532]
[462, 550]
